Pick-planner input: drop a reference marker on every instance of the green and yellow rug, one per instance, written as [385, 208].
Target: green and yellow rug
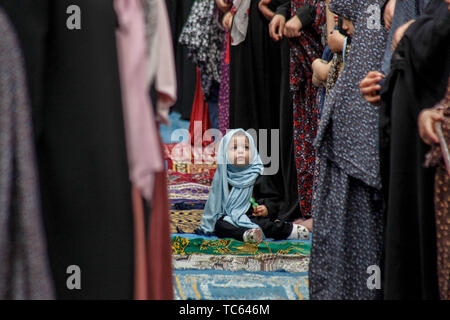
[186, 246]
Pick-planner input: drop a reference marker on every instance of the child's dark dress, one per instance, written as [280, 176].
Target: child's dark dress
[266, 194]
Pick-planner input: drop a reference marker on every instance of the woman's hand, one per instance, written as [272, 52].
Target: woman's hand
[399, 33]
[263, 6]
[227, 20]
[293, 27]
[427, 124]
[389, 13]
[369, 87]
[223, 6]
[276, 27]
[260, 211]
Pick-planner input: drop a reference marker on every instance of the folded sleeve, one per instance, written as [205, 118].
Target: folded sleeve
[284, 9]
[307, 15]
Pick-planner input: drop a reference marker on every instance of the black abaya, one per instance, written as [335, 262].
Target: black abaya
[290, 208]
[76, 102]
[286, 178]
[255, 77]
[419, 69]
[260, 98]
[186, 73]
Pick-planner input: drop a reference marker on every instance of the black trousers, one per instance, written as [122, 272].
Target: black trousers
[278, 230]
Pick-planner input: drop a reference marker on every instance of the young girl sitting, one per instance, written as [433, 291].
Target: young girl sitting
[230, 211]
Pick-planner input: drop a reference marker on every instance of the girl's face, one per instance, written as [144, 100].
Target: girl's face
[347, 25]
[238, 151]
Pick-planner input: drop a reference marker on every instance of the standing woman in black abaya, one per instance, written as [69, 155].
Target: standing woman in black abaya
[255, 74]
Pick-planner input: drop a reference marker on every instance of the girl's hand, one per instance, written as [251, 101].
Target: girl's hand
[227, 20]
[426, 122]
[260, 211]
[263, 6]
[293, 27]
[223, 6]
[276, 27]
[335, 41]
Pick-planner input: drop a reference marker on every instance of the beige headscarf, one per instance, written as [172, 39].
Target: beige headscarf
[240, 9]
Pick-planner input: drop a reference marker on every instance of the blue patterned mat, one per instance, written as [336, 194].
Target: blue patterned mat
[241, 285]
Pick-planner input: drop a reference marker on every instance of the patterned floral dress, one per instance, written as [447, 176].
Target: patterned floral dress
[203, 37]
[224, 93]
[442, 207]
[303, 50]
[347, 240]
[440, 158]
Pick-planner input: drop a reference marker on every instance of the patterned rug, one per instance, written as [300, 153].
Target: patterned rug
[188, 191]
[187, 201]
[202, 176]
[185, 221]
[263, 262]
[186, 154]
[185, 246]
[228, 285]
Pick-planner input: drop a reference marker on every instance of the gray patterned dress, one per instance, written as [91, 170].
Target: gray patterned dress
[24, 267]
[348, 219]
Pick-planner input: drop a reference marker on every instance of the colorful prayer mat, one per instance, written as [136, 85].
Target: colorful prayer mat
[183, 157]
[181, 204]
[184, 246]
[189, 191]
[203, 177]
[264, 262]
[192, 168]
[228, 285]
[187, 201]
[185, 221]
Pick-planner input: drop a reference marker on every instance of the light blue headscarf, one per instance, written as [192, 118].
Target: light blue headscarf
[235, 203]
